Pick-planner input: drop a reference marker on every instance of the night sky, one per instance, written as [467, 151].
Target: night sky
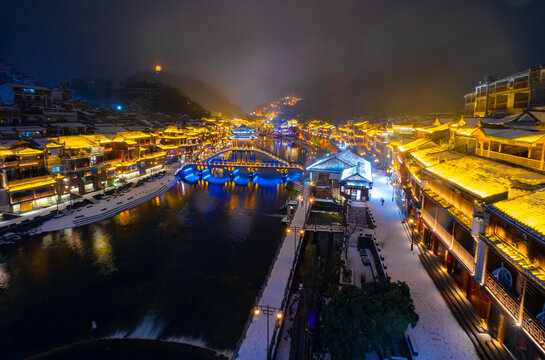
[344, 57]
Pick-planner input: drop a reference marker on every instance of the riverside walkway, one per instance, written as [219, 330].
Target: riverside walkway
[108, 207]
[253, 343]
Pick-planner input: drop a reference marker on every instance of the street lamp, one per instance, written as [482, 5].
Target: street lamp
[295, 229]
[268, 311]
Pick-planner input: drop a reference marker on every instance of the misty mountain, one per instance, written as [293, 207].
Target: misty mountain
[205, 94]
[282, 109]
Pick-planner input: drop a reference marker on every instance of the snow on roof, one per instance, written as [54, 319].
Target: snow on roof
[29, 151]
[336, 162]
[69, 125]
[133, 134]
[99, 138]
[414, 171]
[482, 177]
[29, 128]
[416, 144]
[528, 210]
[539, 115]
[42, 142]
[434, 129]
[466, 131]
[110, 129]
[360, 172]
[517, 135]
[433, 155]
[74, 142]
[27, 86]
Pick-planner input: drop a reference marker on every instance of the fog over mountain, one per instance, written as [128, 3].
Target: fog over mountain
[345, 57]
[207, 95]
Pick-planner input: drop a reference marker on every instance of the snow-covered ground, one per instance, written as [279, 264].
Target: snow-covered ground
[106, 208]
[437, 334]
[254, 343]
[355, 262]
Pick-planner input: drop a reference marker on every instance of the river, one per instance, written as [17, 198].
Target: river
[185, 266]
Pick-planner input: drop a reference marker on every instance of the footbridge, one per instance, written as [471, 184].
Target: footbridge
[234, 164]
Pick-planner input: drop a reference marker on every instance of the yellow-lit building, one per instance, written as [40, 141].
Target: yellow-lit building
[507, 95]
[24, 183]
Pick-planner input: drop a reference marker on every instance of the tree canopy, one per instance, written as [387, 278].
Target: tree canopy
[357, 321]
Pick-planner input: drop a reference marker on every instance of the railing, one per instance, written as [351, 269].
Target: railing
[464, 256]
[244, 163]
[518, 160]
[510, 304]
[520, 104]
[456, 249]
[22, 199]
[324, 228]
[248, 148]
[520, 84]
[28, 162]
[284, 304]
[428, 218]
[530, 325]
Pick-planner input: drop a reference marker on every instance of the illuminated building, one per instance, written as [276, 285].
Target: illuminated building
[243, 135]
[78, 158]
[514, 272]
[343, 174]
[483, 219]
[507, 95]
[24, 183]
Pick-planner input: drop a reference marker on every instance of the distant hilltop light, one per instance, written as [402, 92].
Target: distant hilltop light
[158, 68]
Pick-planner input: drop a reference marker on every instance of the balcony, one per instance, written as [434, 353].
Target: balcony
[448, 239]
[30, 162]
[513, 159]
[516, 258]
[511, 305]
[520, 104]
[520, 85]
[531, 326]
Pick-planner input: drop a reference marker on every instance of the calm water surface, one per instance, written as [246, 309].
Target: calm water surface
[186, 265]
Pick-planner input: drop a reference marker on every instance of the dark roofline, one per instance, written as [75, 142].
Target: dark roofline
[27, 86]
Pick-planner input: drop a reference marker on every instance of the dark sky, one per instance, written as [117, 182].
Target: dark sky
[345, 57]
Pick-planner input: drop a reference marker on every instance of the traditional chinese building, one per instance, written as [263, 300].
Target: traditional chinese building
[514, 272]
[343, 174]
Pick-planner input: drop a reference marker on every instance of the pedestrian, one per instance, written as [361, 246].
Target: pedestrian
[382, 201]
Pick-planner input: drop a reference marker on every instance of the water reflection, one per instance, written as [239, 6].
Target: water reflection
[4, 276]
[102, 251]
[195, 258]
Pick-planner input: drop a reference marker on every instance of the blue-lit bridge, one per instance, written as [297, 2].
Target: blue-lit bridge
[241, 158]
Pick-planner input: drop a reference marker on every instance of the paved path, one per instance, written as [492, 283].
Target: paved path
[437, 335]
[254, 343]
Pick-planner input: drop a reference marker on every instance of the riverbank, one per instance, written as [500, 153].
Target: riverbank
[109, 206]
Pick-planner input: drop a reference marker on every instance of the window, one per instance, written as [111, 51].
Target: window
[501, 101]
[55, 169]
[521, 100]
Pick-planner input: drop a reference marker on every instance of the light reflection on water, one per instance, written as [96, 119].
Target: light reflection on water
[195, 257]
